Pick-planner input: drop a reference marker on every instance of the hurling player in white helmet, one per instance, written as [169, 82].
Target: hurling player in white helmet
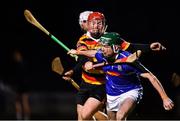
[83, 16]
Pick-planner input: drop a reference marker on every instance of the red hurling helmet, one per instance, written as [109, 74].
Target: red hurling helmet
[96, 15]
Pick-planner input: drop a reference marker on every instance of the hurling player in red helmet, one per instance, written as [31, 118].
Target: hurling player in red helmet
[92, 91]
[92, 88]
[96, 21]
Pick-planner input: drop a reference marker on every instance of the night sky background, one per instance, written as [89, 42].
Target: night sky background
[136, 22]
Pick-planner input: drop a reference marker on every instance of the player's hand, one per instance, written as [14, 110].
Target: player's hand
[67, 75]
[156, 46]
[168, 104]
[88, 65]
[73, 52]
[67, 78]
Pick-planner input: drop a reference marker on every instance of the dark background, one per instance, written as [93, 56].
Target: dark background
[135, 22]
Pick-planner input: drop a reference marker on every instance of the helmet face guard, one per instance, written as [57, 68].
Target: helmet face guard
[97, 19]
[96, 27]
[111, 39]
[115, 48]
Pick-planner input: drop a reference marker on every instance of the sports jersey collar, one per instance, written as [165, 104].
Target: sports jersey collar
[89, 35]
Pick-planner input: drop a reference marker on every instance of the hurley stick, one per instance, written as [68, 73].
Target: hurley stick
[31, 19]
[57, 67]
[130, 59]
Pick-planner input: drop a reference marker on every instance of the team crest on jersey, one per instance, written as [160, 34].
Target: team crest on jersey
[119, 67]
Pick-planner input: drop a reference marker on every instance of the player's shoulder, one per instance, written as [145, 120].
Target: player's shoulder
[124, 54]
[82, 40]
[83, 37]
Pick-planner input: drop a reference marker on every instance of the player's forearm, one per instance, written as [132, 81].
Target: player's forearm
[99, 64]
[81, 61]
[143, 47]
[88, 53]
[157, 85]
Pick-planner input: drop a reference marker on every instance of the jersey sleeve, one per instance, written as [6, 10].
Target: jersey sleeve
[140, 67]
[136, 46]
[81, 61]
[132, 47]
[99, 56]
[124, 44]
[81, 44]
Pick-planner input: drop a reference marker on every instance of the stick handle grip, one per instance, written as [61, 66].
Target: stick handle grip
[98, 65]
[62, 45]
[74, 84]
[59, 42]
